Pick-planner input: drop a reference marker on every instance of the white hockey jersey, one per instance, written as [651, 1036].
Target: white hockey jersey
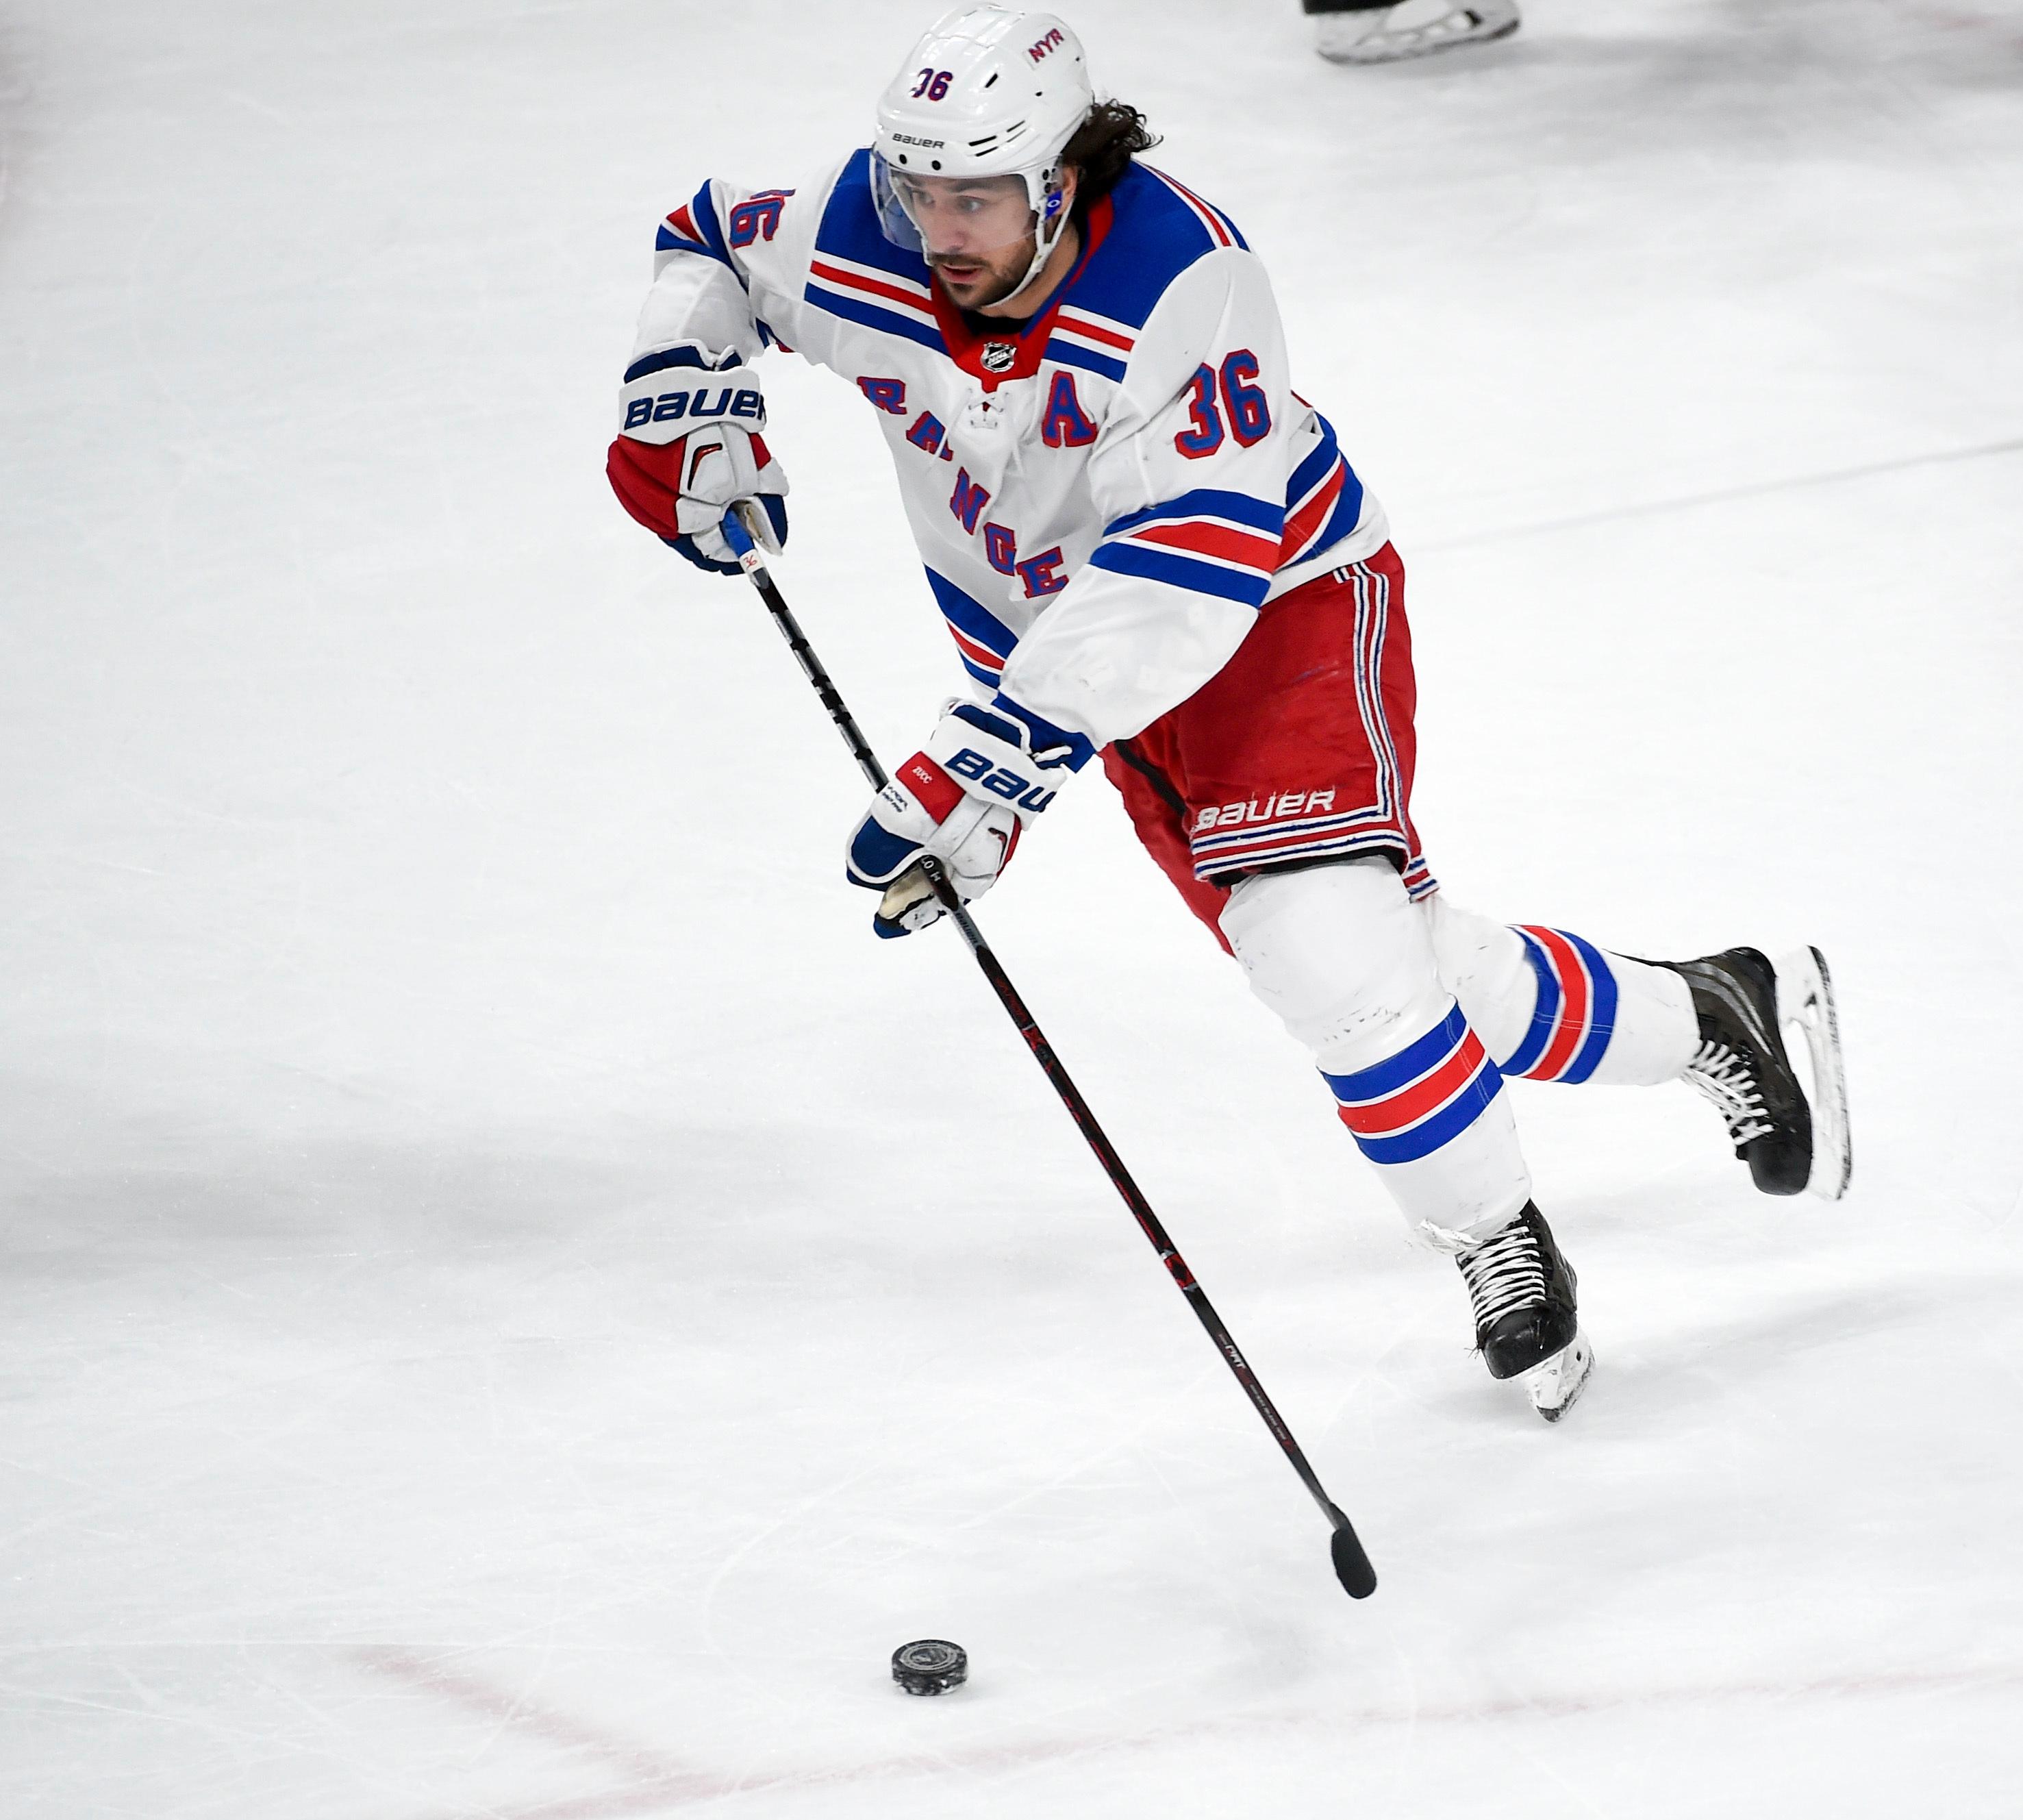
[1103, 496]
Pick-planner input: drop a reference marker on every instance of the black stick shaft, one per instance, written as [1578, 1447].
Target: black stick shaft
[1352, 1564]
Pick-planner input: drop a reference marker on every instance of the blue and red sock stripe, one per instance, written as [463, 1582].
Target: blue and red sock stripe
[1425, 1096]
[1575, 1014]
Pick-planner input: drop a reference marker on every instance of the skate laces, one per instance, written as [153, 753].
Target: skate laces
[1726, 1079]
[1504, 1272]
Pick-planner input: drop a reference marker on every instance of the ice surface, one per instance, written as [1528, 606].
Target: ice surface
[514, 1304]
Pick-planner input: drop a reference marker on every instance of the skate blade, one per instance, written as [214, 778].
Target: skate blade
[1557, 1383]
[1806, 1004]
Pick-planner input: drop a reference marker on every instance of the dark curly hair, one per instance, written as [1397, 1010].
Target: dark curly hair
[1102, 150]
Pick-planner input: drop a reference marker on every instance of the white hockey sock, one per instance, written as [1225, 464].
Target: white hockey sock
[1347, 960]
[1552, 1006]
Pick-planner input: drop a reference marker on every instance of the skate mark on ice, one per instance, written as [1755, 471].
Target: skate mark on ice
[513, 1713]
[659, 1785]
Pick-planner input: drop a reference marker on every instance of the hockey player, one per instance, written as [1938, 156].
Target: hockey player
[1150, 551]
[1391, 31]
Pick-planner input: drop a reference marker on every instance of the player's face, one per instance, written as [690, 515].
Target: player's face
[977, 232]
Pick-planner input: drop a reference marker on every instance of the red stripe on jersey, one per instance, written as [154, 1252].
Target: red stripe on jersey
[1213, 221]
[1082, 326]
[983, 656]
[1232, 546]
[683, 223]
[1305, 524]
[835, 275]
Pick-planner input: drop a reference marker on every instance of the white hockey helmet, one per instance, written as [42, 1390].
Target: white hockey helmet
[988, 93]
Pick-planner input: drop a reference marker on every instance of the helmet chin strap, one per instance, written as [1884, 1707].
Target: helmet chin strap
[1051, 202]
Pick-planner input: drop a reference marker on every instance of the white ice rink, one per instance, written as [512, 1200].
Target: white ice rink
[513, 1303]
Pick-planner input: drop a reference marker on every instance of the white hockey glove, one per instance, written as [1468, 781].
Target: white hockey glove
[965, 798]
[689, 448]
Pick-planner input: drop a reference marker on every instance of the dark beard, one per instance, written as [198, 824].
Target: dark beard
[998, 288]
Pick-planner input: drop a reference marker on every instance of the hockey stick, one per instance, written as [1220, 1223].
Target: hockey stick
[1351, 1564]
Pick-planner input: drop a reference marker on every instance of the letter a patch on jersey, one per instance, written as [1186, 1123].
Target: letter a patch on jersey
[1066, 425]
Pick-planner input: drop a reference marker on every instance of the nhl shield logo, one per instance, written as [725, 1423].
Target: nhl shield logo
[998, 357]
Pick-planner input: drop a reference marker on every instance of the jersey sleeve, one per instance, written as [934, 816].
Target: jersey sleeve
[729, 268]
[1190, 479]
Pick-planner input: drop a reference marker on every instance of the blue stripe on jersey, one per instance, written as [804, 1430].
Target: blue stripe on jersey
[1153, 237]
[675, 356]
[1068, 354]
[972, 618]
[1208, 502]
[861, 309]
[1228, 226]
[1342, 520]
[666, 241]
[1349, 503]
[702, 208]
[1152, 563]
[850, 228]
[1309, 474]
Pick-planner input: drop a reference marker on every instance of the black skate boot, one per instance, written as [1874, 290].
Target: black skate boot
[1741, 1067]
[1526, 1324]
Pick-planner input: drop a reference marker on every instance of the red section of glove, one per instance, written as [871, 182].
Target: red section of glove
[933, 788]
[647, 478]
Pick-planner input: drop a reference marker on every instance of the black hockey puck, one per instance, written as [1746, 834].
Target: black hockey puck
[930, 1666]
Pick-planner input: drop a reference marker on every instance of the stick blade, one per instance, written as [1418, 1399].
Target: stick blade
[1351, 1566]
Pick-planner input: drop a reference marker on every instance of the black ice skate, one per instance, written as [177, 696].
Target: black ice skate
[1526, 1324]
[1741, 1067]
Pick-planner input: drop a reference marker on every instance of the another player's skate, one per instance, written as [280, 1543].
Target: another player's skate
[1526, 1324]
[1412, 28]
[1741, 1067]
